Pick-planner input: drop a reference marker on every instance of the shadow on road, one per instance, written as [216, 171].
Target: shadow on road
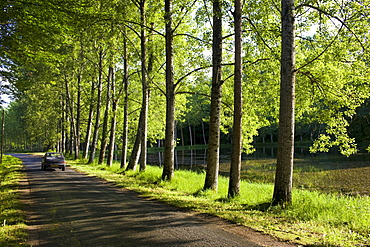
[67, 208]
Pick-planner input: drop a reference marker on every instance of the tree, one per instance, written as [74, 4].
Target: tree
[112, 137]
[104, 139]
[211, 181]
[285, 153]
[94, 142]
[168, 164]
[2, 136]
[234, 182]
[125, 103]
[139, 151]
[171, 86]
[89, 123]
[333, 70]
[16, 127]
[70, 44]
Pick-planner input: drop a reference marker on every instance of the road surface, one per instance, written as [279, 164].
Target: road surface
[70, 209]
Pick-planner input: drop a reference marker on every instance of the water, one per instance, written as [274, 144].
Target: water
[326, 172]
[198, 157]
[191, 158]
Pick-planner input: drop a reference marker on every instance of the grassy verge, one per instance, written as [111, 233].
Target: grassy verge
[314, 218]
[12, 217]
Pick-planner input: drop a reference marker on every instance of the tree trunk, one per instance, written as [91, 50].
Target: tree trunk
[211, 181]
[78, 120]
[125, 106]
[145, 84]
[62, 127]
[234, 182]
[194, 136]
[134, 157]
[2, 136]
[60, 131]
[182, 137]
[140, 144]
[112, 138]
[204, 134]
[65, 129]
[98, 106]
[284, 166]
[144, 131]
[190, 136]
[71, 136]
[145, 91]
[89, 123]
[169, 148]
[70, 110]
[104, 134]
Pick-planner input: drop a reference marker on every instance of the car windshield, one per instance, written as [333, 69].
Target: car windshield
[55, 155]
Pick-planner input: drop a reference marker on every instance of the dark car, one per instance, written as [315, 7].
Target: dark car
[53, 160]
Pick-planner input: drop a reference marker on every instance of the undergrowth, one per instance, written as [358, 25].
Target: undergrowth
[12, 217]
[314, 218]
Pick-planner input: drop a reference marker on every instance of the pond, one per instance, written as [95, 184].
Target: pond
[327, 172]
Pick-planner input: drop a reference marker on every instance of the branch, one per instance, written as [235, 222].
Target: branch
[207, 96]
[141, 25]
[259, 35]
[208, 14]
[323, 51]
[224, 64]
[191, 36]
[336, 18]
[248, 61]
[137, 3]
[185, 14]
[191, 72]
[151, 79]
[228, 36]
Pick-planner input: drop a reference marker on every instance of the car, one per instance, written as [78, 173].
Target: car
[53, 160]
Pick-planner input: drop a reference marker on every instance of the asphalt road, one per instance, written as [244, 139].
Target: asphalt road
[70, 209]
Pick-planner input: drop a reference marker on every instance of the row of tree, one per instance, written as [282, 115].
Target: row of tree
[94, 76]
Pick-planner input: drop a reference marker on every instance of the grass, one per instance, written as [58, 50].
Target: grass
[313, 219]
[12, 217]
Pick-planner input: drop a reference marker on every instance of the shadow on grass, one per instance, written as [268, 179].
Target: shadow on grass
[199, 193]
[263, 207]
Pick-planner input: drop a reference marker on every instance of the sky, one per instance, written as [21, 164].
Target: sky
[4, 97]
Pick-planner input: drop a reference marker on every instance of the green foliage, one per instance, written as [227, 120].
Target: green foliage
[331, 66]
[15, 125]
[48, 46]
[12, 217]
[52, 45]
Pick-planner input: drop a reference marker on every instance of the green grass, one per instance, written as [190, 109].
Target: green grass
[12, 217]
[314, 218]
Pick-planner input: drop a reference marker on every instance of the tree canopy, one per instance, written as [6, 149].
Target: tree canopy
[86, 75]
